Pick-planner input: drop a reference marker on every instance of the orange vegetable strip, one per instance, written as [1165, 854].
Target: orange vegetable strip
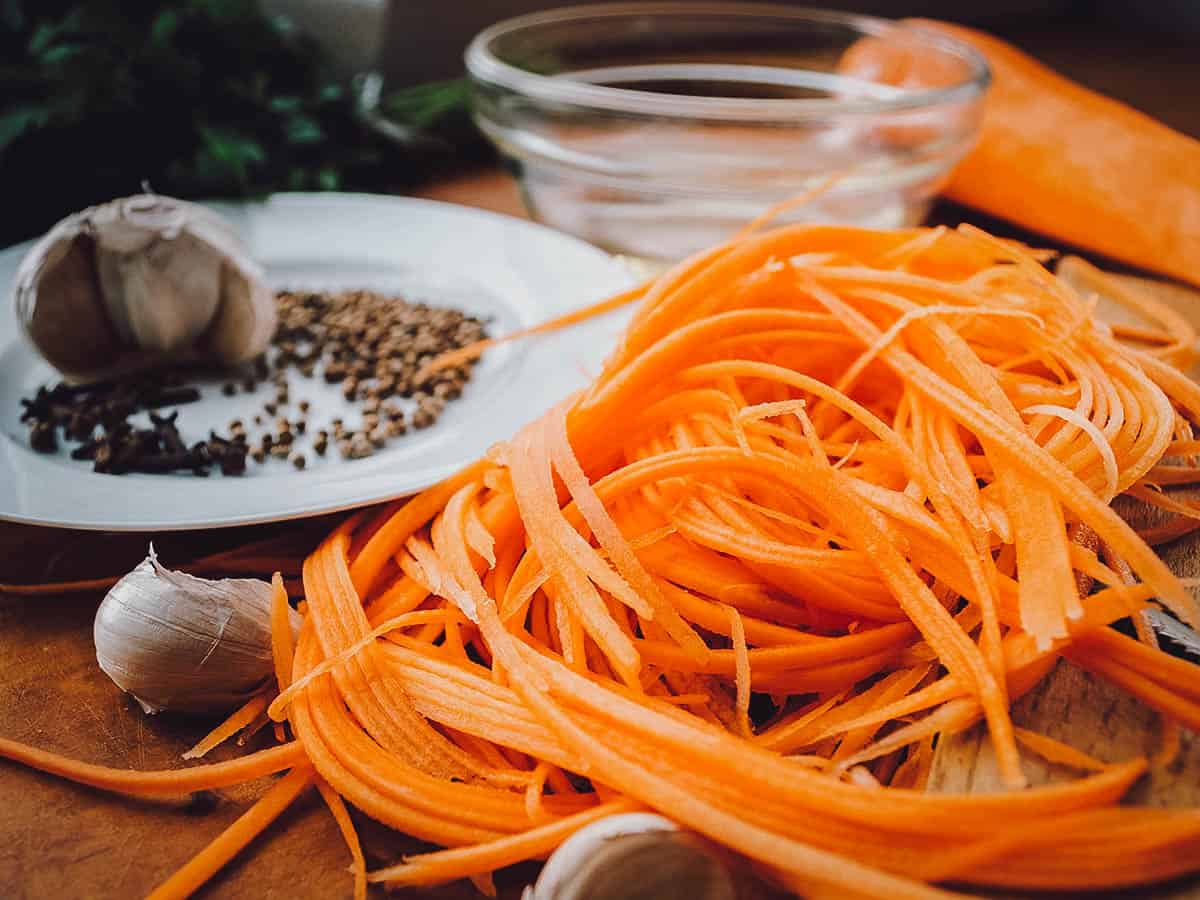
[473, 351]
[234, 839]
[609, 535]
[243, 716]
[479, 538]
[165, 783]
[1057, 752]
[741, 657]
[1184, 710]
[341, 816]
[532, 482]
[281, 633]
[447, 865]
[416, 512]
[278, 707]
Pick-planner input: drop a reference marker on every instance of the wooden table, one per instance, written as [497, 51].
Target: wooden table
[58, 840]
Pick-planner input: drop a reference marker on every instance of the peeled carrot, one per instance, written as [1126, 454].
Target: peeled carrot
[1063, 160]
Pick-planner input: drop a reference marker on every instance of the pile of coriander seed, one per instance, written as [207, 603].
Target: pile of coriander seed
[376, 348]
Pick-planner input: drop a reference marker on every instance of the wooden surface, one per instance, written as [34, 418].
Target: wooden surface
[58, 840]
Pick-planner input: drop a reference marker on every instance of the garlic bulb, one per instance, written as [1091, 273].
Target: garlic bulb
[178, 642]
[634, 856]
[124, 285]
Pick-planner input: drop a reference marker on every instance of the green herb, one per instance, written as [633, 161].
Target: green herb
[197, 98]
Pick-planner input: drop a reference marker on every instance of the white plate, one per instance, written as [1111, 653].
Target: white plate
[515, 273]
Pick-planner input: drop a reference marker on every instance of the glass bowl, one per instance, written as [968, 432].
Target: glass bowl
[656, 129]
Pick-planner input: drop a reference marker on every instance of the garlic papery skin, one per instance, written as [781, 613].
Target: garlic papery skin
[138, 281]
[633, 856]
[177, 642]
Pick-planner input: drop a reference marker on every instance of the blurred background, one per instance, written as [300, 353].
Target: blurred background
[219, 98]
[445, 27]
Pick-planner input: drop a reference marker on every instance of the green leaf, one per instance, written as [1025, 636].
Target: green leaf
[43, 37]
[164, 26]
[61, 53]
[304, 130]
[285, 103]
[328, 180]
[423, 105]
[16, 122]
[232, 151]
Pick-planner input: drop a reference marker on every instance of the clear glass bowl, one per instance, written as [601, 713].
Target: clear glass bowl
[656, 129]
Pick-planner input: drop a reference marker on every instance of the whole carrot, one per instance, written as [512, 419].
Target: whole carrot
[1066, 161]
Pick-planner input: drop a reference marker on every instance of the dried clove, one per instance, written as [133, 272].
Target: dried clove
[43, 438]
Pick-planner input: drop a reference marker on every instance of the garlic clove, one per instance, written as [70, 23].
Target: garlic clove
[164, 295]
[634, 856]
[145, 278]
[246, 320]
[174, 641]
[70, 324]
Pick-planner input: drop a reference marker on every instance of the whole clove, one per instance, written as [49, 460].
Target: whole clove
[43, 438]
[168, 434]
[156, 398]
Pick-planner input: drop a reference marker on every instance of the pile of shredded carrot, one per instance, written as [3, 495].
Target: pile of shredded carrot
[837, 493]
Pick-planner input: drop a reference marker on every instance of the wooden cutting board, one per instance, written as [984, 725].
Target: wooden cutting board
[58, 840]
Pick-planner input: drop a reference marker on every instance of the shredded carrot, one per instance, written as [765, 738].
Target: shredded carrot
[281, 633]
[741, 656]
[473, 351]
[1172, 743]
[864, 475]
[337, 808]
[1056, 751]
[168, 783]
[234, 839]
[244, 716]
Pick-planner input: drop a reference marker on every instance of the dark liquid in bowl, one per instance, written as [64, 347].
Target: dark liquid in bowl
[731, 81]
[744, 90]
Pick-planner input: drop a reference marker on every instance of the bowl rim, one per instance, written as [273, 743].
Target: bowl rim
[484, 66]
